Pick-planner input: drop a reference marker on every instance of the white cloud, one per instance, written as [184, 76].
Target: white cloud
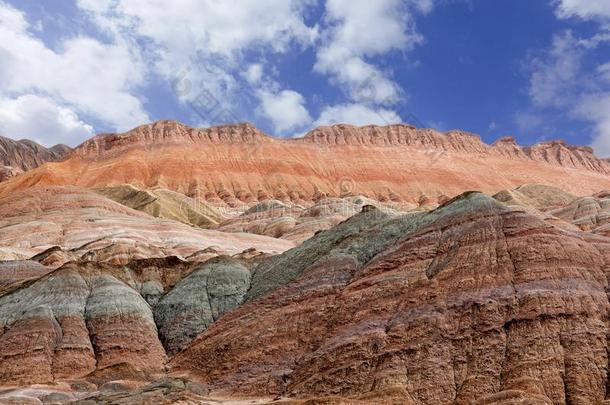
[285, 109]
[604, 72]
[206, 35]
[85, 75]
[199, 45]
[560, 80]
[595, 108]
[210, 26]
[254, 73]
[556, 72]
[42, 120]
[586, 9]
[357, 114]
[360, 29]
[528, 122]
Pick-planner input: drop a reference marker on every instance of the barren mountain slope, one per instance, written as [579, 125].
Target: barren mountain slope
[238, 163]
[472, 301]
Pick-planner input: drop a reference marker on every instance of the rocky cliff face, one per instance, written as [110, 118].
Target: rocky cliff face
[238, 164]
[26, 155]
[168, 133]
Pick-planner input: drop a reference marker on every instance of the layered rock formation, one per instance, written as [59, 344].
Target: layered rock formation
[87, 225]
[360, 281]
[239, 164]
[73, 322]
[472, 301]
[15, 274]
[166, 204]
[299, 223]
[216, 287]
[588, 213]
[26, 155]
[536, 196]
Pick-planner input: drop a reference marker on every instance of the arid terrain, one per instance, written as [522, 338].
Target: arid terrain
[353, 265]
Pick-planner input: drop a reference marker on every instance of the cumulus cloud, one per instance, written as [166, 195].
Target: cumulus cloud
[285, 109]
[586, 9]
[254, 73]
[555, 74]
[206, 50]
[560, 80]
[210, 38]
[357, 114]
[42, 120]
[184, 27]
[84, 76]
[596, 108]
[361, 29]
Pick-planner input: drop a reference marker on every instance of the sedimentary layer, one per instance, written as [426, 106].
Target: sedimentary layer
[239, 164]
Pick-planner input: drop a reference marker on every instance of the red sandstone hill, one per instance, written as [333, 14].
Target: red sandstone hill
[239, 163]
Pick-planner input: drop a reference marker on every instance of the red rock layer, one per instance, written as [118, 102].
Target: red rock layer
[238, 163]
[477, 301]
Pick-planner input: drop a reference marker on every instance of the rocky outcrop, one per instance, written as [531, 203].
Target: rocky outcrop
[474, 301]
[161, 203]
[164, 133]
[86, 225]
[26, 155]
[237, 165]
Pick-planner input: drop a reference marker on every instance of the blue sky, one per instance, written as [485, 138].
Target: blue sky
[537, 70]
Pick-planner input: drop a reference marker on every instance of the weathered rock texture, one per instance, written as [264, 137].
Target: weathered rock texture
[87, 225]
[237, 164]
[213, 289]
[6, 172]
[26, 155]
[474, 301]
[15, 274]
[73, 322]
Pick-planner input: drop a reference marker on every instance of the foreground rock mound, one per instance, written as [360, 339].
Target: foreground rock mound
[73, 322]
[238, 164]
[216, 287]
[472, 301]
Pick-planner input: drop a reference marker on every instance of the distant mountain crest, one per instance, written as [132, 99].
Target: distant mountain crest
[24, 155]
